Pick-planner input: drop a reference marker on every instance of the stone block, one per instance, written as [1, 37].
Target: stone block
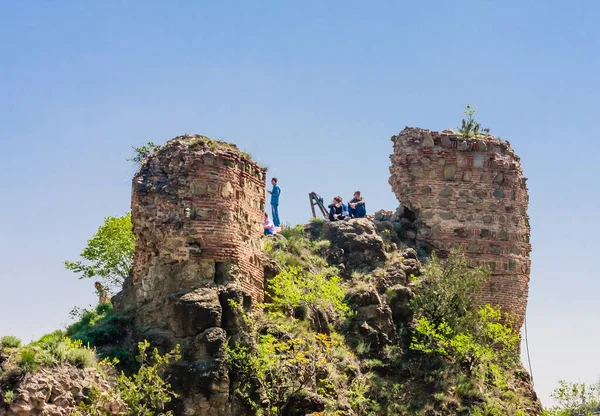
[447, 215]
[449, 171]
[446, 192]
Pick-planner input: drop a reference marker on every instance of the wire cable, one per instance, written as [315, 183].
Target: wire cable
[527, 347]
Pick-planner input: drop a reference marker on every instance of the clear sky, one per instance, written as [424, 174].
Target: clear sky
[314, 90]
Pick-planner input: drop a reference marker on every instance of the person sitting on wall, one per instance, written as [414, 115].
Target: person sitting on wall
[336, 209]
[357, 207]
[269, 226]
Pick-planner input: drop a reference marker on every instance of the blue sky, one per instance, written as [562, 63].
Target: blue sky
[314, 90]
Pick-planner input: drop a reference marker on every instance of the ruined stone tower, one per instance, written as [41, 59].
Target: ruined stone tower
[197, 212]
[200, 201]
[468, 193]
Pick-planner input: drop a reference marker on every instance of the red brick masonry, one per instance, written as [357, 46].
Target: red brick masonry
[200, 200]
[469, 193]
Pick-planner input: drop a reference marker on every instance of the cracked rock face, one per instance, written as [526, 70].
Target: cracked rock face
[468, 193]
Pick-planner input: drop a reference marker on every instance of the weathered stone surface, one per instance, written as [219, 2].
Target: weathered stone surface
[56, 392]
[193, 312]
[474, 182]
[373, 321]
[359, 241]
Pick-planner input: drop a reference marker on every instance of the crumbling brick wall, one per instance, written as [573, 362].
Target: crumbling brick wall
[469, 193]
[200, 200]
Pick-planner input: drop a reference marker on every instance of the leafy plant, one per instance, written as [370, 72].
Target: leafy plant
[8, 396]
[142, 152]
[10, 341]
[294, 287]
[470, 127]
[446, 292]
[145, 393]
[106, 331]
[288, 361]
[575, 398]
[108, 255]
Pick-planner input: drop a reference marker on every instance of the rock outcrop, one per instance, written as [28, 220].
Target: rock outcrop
[54, 392]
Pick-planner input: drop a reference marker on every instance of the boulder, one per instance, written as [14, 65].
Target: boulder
[361, 244]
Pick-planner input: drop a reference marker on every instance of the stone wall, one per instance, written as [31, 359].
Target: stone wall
[202, 201]
[469, 193]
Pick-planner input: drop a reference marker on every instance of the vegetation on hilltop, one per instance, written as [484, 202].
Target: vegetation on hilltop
[300, 349]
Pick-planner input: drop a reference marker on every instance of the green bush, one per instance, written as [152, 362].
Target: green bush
[103, 328]
[574, 398]
[27, 360]
[10, 341]
[8, 396]
[446, 291]
[285, 360]
[459, 347]
[293, 288]
[50, 350]
[81, 357]
[145, 393]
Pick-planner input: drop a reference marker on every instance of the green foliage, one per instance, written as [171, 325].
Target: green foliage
[108, 255]
[294, 287]
[445, 294]
[296, 249]
[459, 347]
[50, 350]
[145, 393]
[105, 330]
[575, 398]
[27, 360]
[483, 352]
[470, 127]
[142, 152]
[81, 357]
[8, 396]
[9, 341]
[287, 361]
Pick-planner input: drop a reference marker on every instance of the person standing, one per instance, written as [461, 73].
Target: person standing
[275, 201]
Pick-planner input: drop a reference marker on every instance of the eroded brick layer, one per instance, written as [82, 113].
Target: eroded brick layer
[202, 201]
[469, 193]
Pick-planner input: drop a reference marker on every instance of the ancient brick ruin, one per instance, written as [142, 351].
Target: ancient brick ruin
[201, 201]
[197, 212]
[468, 193]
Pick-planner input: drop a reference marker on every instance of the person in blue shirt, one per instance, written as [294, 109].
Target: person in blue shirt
[357, 207]
[275, 201]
